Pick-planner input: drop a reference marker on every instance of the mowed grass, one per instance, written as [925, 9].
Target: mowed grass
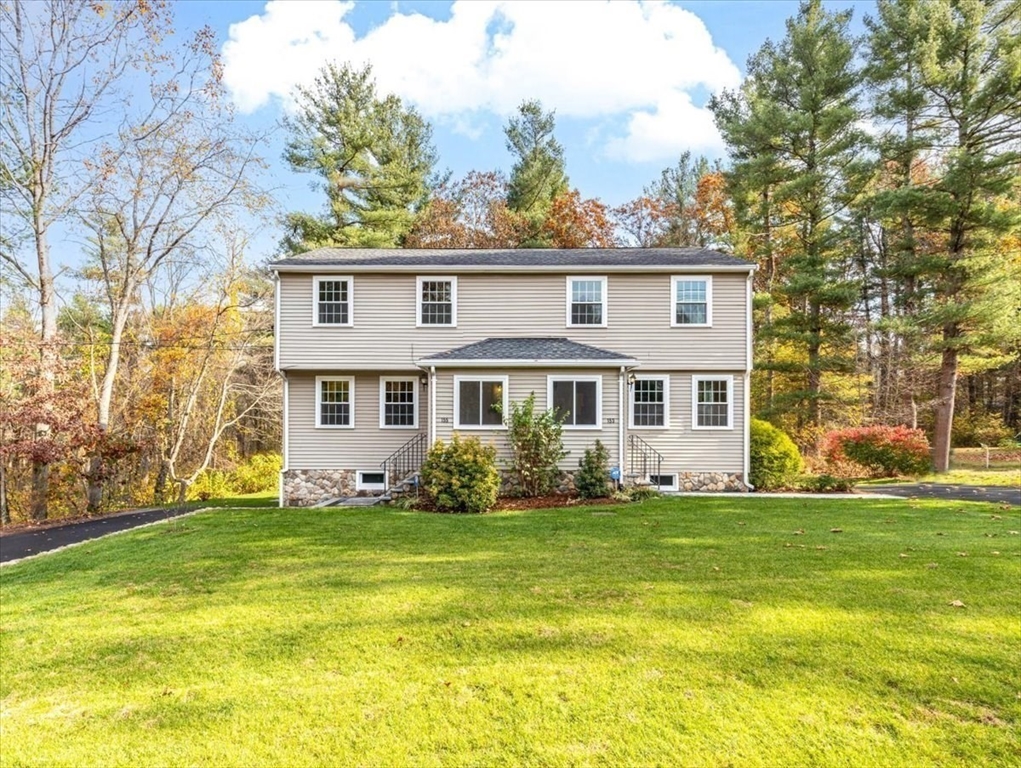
[679, 631]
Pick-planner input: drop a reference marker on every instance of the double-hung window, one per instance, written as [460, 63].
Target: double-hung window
[650, 402]
[437, 301]
[586, 301]
[480, 402]
[712, 402]
[335, 401]
[577, 400]
[692, 301]
[332, 301]
[398, 403]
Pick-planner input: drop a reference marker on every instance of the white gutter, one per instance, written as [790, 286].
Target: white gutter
[532, 363]
[340, 267]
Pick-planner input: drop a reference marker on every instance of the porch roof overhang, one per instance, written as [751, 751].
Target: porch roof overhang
[530, 352]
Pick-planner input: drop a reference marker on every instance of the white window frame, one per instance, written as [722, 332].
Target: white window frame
[599, 400]
[457, 403]
[666, 401]
[319, 402]
[361, 485]
[674, 279]
[452, 279]
[694, 402]
[383, 381]
[603, 292]
[350, 300]
[672, 487]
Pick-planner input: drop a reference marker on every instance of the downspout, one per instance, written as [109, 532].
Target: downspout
[286, 447]
[432, 405]
[285, 390]
[748, 382]
[621, 390]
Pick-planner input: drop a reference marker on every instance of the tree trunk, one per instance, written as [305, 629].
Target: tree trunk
[945, 401]
[40, 490]
[94, 492]
[160, 486]
[5, 510]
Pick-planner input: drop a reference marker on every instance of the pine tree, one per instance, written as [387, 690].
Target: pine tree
[538, 174]
[373, 157]
[948, 74]
[793, 138]
[676, 189]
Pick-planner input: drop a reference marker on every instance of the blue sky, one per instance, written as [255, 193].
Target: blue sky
[629, 81]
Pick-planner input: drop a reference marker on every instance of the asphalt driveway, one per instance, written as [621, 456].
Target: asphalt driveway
[995, 494]
[19, 544]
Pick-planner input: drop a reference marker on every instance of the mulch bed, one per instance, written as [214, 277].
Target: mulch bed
[511, 503]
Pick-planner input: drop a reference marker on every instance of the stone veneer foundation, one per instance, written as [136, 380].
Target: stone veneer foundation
[710, 481]
[307, 487]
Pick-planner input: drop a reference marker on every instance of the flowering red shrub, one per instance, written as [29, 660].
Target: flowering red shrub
[880, 451]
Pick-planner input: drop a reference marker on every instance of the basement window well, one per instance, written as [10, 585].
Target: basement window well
[371, 481]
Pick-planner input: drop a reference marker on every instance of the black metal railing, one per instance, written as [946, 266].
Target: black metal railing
[406, 460]
[643, 460]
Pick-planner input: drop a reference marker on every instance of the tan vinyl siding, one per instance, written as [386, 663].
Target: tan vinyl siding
[363, 447]
[697, 450]
[384, 335]
[521, 383]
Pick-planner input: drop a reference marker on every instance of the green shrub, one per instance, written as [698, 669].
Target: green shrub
[880, 451]
[536, 440]
[259, 473]
[774, 457]
[593, 478]
[825, 483]
[461, 476]
[643, 492]
[210, 484]
[972, 430]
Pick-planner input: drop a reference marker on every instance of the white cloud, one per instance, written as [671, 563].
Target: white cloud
[587, 60]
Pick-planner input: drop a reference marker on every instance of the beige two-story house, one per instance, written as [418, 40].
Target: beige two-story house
[383, 352]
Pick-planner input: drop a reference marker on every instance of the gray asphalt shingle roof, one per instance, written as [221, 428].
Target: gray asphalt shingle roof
[553, 349]
[520, 257]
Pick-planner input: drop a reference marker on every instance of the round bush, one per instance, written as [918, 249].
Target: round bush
[461, 475]
[775, 461]
[880, 451]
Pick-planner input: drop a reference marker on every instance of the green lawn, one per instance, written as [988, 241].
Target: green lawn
[1009, 477]
[675, 632]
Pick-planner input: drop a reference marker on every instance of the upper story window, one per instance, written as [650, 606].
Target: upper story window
[480, 402]
[586, 301]
[437, 301]
[332, 301]
[398, 403]
[650, 402]
[577, 400]
[692, 301]
[712, 402]
[335, 401]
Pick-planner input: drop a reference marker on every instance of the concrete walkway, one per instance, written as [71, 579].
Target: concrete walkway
[26, 543]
